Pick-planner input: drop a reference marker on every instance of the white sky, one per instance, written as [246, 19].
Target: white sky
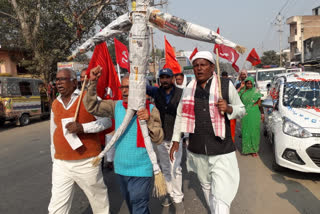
[245, 22]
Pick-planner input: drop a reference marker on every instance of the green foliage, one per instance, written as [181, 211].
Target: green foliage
[271, 58]
[48, 30]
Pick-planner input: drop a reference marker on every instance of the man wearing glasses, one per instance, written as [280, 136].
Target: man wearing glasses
[70, 165]
[132, 164]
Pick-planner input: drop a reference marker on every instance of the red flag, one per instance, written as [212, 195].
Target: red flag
[193, 53]
[122, 55]
[227, 53]
[171, 61]
[108, 83]
[253, 57]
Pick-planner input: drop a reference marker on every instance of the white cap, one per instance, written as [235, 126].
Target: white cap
[203, 55]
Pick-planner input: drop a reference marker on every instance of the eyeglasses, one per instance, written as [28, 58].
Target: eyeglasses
[124, 87]
[63, 79]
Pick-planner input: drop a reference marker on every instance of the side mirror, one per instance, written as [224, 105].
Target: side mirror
[267, 103]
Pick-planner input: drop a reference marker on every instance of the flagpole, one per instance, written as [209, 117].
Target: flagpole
[80, 98]
[118, 69]
[218, 71]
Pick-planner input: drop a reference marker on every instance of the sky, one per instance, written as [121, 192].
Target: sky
[246, 22]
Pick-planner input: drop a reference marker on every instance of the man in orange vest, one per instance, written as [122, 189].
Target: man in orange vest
[72, 164]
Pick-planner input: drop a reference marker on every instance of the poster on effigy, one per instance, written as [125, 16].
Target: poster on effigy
[121, 25]
[180, 27]
[139, 48]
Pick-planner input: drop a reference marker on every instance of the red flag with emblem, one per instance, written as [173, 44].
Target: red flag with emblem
[227, 53]
[253, 57]
[171, 61]
[122, 55]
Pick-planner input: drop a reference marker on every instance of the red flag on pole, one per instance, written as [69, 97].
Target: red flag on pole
[108, 83]
[253, 57]
[227, 53]
[171, 61]
[193, 53]
[122, 55]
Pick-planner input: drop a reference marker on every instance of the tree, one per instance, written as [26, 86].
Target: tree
[47, 30]
[271, 58]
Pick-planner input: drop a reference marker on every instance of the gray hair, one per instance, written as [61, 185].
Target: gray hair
[72, 73]
[126, 76]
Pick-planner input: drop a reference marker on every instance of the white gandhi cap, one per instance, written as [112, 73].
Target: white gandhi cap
[203, 55]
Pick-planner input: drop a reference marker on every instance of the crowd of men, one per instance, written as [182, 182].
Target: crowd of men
[194, 110]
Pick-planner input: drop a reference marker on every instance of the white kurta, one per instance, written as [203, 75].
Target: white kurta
[65, 173]
[218, 174]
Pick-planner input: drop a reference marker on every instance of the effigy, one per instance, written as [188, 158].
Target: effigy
[138, 22]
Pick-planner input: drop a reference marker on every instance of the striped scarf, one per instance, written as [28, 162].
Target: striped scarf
[188, 115]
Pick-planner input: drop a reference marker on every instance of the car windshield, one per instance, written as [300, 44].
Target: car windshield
[302, 94]
[268, 75]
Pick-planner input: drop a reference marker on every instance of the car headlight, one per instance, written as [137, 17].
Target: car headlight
[293, 129]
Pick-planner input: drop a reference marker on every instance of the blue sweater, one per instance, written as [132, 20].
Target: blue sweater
[130, 160]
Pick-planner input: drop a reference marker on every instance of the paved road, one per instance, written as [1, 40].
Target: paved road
[25, 172]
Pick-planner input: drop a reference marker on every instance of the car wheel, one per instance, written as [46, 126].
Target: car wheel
[2, 121]
[276, 167]
[24, 120]
[45, 116]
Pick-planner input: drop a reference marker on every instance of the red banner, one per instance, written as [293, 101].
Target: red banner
[171, 61]
[108, 83]
[122, 55]
[253, 57]
[227, 53]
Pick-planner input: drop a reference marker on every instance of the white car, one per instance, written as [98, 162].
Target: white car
[292, 121]
[264, 77]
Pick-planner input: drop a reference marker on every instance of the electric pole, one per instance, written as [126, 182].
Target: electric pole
[279, 23]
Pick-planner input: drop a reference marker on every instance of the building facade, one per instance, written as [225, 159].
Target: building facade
[302, 28]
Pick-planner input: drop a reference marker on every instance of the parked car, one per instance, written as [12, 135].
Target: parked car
[290, 70]
[252, 73]
[264, 77]
[292, 121]
[22, 98]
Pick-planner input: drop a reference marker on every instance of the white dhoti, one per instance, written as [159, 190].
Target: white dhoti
[64, 176]
[219, 177]
[172, 171]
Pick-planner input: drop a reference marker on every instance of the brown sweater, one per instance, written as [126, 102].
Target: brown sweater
[91, 144]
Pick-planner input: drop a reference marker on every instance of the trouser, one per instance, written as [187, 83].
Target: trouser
[219, 178]
[216, 206]
[172, 171]
[64, 176]
[136, 191]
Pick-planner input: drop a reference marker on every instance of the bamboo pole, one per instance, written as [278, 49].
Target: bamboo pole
[80, 98]
[218, 73]
[218, 76]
